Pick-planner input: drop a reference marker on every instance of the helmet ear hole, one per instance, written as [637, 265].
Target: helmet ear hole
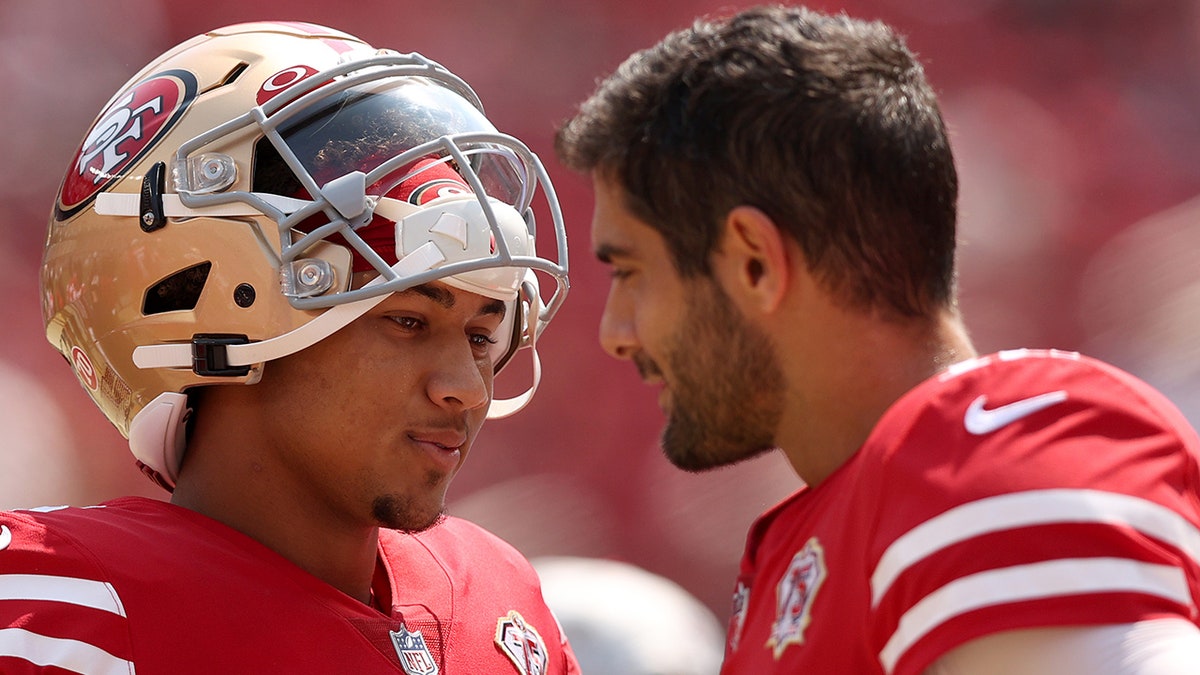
[180, 291]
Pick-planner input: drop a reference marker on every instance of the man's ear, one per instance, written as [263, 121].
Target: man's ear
[752, 262]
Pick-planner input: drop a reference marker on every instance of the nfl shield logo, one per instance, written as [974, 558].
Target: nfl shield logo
[413, 652]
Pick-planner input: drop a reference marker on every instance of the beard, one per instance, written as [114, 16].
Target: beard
[407, 513]
[727, 388]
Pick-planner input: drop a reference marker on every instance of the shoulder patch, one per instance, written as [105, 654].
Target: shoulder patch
[522, 644]
[737, 617]
[794, 597]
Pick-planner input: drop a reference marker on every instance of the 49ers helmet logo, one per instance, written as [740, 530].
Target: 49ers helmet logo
[436, 189]
[126, 130]
[282, 80]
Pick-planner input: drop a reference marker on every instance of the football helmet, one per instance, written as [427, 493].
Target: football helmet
[259, 187]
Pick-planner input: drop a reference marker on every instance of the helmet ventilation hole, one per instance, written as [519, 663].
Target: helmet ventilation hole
[230, 77]
[180, 291]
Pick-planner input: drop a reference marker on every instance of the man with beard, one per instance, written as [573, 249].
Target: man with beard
[776, 198]
[288, 266]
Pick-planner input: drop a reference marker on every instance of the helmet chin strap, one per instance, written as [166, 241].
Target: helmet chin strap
[527, 310]
[157, 433]
[501, 408]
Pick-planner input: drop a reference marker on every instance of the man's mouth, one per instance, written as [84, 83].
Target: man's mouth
[443, 440]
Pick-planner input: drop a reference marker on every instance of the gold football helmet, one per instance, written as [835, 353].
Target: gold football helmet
[222, 203]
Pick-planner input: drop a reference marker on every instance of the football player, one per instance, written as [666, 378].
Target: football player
[776, 198]
[287, 266]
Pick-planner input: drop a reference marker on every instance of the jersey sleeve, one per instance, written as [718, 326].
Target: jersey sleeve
[58, 614]
[1077, 509]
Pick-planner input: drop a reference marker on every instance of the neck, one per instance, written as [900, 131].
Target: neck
[844, 380]
[226, 479]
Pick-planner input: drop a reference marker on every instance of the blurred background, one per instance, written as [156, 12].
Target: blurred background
[1076, 125]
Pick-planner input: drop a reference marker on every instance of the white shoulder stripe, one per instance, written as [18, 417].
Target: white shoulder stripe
[72, 655]
[84, 592]
[1023, 509]
[1030, 582]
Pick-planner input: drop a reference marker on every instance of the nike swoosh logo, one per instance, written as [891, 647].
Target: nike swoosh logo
[979, 420]
[5, 537]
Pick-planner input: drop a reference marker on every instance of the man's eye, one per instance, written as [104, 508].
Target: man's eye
[407, 322]
[483, 340]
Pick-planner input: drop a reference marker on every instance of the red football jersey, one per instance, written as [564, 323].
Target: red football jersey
[142, 586]
[1023, 489]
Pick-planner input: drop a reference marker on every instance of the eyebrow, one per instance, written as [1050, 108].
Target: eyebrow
[606, 252]
[444, 297]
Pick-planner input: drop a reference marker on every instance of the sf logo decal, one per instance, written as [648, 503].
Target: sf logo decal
[105, 140]
[123, 134]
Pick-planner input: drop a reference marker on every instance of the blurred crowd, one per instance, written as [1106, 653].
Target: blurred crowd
[1076, 125]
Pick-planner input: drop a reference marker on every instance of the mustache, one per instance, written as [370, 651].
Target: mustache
[646, 366]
